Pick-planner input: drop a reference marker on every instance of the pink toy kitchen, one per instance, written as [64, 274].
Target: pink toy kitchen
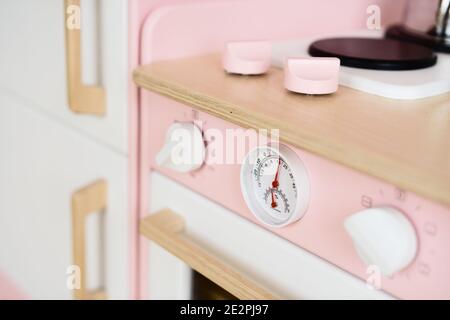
[225, 150]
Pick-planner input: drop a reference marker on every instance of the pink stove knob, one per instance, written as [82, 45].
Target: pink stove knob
[312, 75]
[247, 57]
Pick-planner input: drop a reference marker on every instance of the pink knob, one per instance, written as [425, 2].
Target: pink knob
[247, 57]
[312, 75]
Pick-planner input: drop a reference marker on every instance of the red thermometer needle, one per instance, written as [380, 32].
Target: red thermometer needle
[274, 204]
[275, 184]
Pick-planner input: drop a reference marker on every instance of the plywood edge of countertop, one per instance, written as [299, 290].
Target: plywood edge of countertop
[406, 143]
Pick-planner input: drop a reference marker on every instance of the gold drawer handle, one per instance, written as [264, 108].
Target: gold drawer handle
[82, 98]
[166, 228]
[85, 201]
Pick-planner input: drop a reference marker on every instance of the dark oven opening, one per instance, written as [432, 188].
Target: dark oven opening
[205, 289]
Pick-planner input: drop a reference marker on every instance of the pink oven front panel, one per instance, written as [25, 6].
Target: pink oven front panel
[336, 193]
[179, 30]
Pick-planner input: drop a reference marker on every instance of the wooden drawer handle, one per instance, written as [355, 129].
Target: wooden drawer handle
[166, 228]
[82, 98]
[90, 199]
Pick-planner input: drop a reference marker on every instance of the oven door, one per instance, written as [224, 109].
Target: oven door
[284, 269]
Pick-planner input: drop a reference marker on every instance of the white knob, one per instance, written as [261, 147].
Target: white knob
[184, 148]
[383, 237]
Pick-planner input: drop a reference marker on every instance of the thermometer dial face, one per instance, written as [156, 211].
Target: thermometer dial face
[275, 185]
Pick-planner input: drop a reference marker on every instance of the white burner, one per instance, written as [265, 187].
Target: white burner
[404, 85]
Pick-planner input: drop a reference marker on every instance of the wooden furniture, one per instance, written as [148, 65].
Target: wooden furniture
[166, 229]
[402, 142]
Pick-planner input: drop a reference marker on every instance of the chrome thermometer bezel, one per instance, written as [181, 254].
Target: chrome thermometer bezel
[300, 177]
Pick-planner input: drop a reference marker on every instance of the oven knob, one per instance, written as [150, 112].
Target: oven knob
[184, 148]
[383, 236]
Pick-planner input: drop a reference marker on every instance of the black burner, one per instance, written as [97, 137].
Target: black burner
[378, 54]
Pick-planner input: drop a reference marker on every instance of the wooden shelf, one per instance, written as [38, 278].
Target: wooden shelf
[406, 143]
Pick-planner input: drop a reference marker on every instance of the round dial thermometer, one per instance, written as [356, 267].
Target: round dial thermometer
[275, 185]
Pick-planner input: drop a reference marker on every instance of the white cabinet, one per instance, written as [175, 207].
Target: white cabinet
[287, 270]
[47, 152]
[42, 163]
[33, 61]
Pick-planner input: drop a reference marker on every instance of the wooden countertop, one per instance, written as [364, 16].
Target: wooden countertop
[406, 143]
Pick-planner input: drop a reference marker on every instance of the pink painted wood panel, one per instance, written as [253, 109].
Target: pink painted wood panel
[336, 193]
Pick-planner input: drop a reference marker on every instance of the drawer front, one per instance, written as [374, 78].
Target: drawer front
[34, 64]
[43, 164]
[278, 265]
